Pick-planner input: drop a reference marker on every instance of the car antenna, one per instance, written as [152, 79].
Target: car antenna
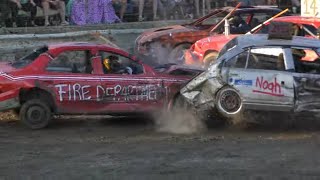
[267, 21]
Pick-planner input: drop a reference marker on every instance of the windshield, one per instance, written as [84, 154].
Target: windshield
[300, 32]
[26, 60]
[228, 46]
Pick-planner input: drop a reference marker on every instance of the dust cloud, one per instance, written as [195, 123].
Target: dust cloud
[178, 121]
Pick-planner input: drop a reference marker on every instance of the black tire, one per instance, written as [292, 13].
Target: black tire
[229, 102]
[35, 114]
[210, 58]
[177, 54]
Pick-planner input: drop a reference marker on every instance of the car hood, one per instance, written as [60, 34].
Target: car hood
[151, 34]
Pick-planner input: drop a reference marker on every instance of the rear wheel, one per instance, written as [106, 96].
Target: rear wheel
[210, 58]
[35, 114]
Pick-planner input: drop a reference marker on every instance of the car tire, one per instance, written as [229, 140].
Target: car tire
[177, 54]
[229, 102]
[35, 114]
[210, 58]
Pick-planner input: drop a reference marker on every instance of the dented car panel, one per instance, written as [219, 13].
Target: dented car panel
[72, 79]
[267, 73]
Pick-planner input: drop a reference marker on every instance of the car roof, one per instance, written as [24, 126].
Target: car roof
[314, 21]
[79, 44]
[246, 41]
[251, 8]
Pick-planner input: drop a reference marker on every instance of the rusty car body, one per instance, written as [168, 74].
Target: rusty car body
[205, 50]
[72, 78]
[254, 72]
[166, 44]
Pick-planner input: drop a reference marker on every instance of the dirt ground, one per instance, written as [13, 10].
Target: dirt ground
[131, 148]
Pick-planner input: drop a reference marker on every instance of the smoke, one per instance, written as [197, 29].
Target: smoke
[178, 121]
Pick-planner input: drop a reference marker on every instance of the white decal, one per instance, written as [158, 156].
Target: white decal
[148, 92]
[60, 91]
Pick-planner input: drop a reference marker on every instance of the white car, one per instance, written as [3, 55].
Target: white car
[256, 72]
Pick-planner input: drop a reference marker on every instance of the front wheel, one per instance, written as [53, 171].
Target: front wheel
[35, 114]
[210, 58]
[228, 102]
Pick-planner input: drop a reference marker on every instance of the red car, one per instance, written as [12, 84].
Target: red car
[206, 50]
[166, 44]
[83, 78]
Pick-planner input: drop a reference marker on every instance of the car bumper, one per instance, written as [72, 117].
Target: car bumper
[9, 100]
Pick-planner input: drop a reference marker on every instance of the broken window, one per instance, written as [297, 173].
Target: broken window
[72, 62]
[306, 60]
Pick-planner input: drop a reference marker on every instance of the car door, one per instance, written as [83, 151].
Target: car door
[261, 77]
[71, 79]
[125, 85]
[306, 79]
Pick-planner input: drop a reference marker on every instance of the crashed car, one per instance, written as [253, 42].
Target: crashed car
[166, 44]
[206, 50]
[85, 78]
[257, 72]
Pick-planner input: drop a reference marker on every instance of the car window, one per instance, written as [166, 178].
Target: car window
[267, 58]
[117, 64]
[238, 61]
[71, 62]
[306, 60]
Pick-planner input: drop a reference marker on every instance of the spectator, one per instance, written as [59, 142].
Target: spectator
[25, 5]
[197, 7]
[123, 4]
[54, 4]
[155, 9]
[5, 11]
[108, 13]
[94, 12]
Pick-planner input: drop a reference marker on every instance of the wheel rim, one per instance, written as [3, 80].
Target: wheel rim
[230, 101]
[35, 114]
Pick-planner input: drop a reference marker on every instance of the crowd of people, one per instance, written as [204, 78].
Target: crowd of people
[83, 12]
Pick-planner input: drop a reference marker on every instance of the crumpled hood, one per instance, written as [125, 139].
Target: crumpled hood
[154, 33]
[200, 90]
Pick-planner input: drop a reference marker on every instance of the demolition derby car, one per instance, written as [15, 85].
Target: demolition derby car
[257, 72]
[206, 50]
[84, 78]
[168, 43]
